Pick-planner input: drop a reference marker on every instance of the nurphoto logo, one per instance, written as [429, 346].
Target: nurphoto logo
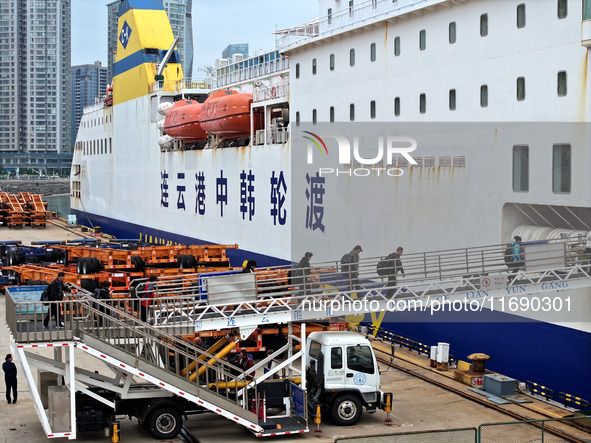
[375, 156]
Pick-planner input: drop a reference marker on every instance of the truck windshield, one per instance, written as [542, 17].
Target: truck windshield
[359, 358]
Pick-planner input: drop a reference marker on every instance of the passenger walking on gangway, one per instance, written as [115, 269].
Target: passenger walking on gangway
[393, 266]
[350, 267]
[55, 292]
[515, 255]
[148, 296]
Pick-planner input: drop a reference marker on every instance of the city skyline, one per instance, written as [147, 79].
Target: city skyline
[89, 27]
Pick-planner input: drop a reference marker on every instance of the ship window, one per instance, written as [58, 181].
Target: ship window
[422, 40]
[397, 106]
[484, 96]
[561, 169]
[336, 358]
[520, 168]
[372, 109]
[332, 114]
[350, 8]
[374, 4]
[452, 99]
[422, 103]
[298, 118]
[521, 15]
[397, 46]
[332, 62]
[297, 70]
[586, 9]
[452, 33]
[329, 16]
[110, 145]
[521, 88]
[483, 25]
[372, 52]
[352, 112]
[562, 83]
[314, 66]
[352, 57]
[314, 115]
[562, 8]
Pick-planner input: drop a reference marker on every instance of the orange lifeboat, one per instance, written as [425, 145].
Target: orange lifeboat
[227, 114]
[109, 96]
[182, 121]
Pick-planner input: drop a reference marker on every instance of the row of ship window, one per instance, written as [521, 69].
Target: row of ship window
[561, 90]
[96, 121]
[562, 11]
[561, 168]
[94, 147]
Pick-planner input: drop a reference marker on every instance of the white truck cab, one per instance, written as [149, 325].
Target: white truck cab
[343, 376]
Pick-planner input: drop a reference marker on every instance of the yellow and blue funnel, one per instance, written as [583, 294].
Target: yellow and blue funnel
[144, 36]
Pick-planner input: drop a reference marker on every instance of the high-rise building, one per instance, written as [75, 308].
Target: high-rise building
[233, 49]
[35, 48]
[89, 82]
[180, 17]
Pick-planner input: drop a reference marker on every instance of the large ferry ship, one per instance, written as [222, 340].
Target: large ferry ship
[478, 111]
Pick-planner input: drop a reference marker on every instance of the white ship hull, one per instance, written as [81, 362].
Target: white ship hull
[466, 189]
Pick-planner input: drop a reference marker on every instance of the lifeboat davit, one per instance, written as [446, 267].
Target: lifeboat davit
[227, 114]
[182, 121]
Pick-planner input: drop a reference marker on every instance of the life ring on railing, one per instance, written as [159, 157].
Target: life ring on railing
[273, 92]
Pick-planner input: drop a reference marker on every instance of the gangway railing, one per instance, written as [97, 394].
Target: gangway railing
[429, 278]
[124, 341]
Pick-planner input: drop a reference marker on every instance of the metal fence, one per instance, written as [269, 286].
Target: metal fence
[531, 431]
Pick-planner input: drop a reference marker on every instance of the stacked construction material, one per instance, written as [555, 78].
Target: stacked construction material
[22, 209]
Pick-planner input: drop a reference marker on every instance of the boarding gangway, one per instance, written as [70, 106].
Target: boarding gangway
[145, 361]
[471, 279]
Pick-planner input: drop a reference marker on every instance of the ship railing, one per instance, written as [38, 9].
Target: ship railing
[358, 15]
[185, 83]
[271, 92]
[430, 274]
[95, 107]
[229, 75]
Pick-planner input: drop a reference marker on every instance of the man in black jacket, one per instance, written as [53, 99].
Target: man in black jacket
[394, 267]
[301, 272]
[55, 292]
[9, 369]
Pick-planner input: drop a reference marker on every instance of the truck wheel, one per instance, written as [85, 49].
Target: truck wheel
[345, 410]
[165, 423]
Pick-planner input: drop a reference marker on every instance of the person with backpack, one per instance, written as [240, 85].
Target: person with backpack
[393, 265]
[300, 274]
[150, 292]
[244, 360]
[102, 293]
[55, 292]
[515, 255]
[350, 267]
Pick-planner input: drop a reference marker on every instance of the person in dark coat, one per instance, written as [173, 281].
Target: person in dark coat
[249, 266]
[394, 267]
[103, 293]
[55, 292]
[9, 369]
[301, 272]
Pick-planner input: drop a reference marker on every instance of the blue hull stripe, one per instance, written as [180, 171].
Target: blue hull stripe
[136, 59]
[120, 229]
[554, 356]
[126, 5]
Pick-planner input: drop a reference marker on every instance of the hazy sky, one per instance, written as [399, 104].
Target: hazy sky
[216, 24]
